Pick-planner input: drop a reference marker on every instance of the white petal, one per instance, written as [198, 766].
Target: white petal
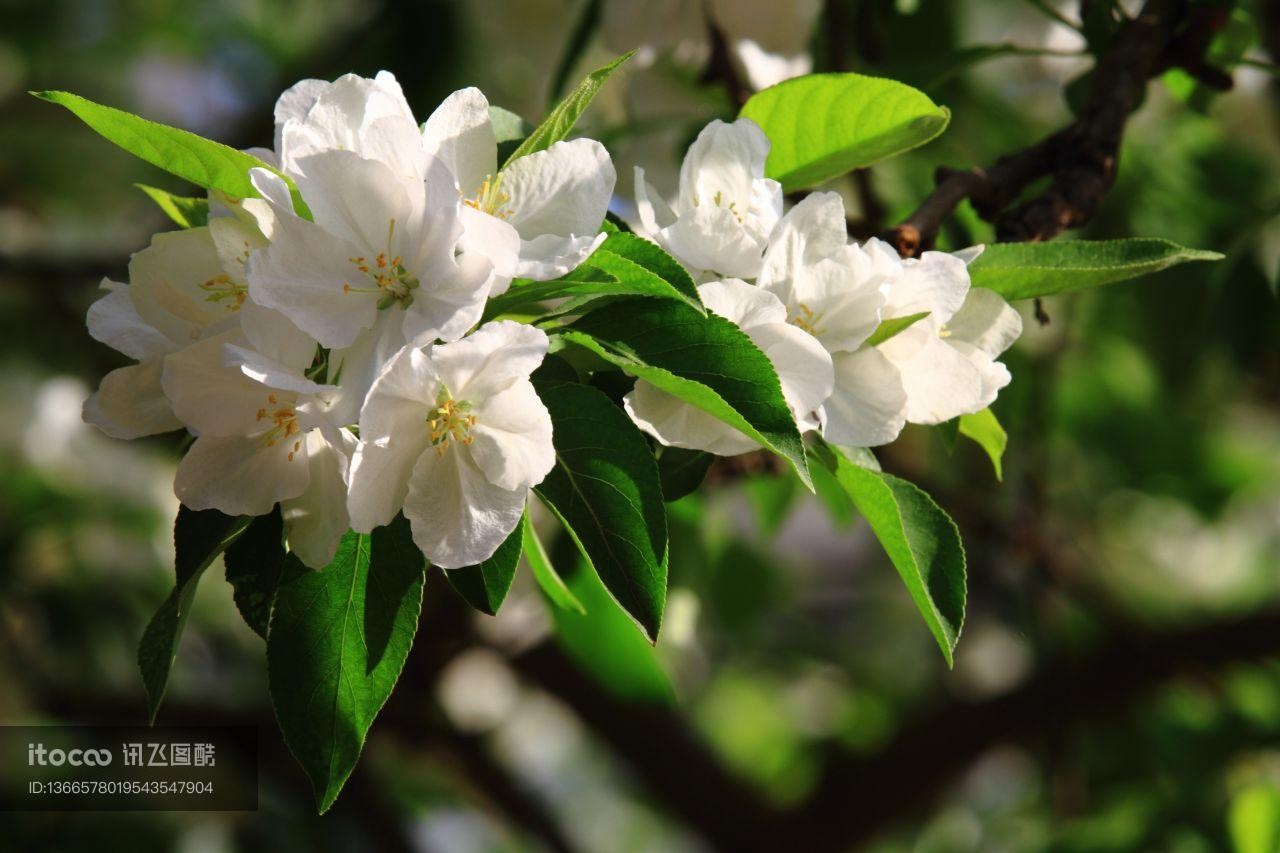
[655, 213]
[393, 434]
[457, 516]
[512, 438]
[724, 160]
[460, 133]
[675, 423]
[941, 383]
[356, 367]
[213, 398]
[239, 475]
[550, 256]
[970, 254]
[493, 238]
[304, 273]
[357, 199]
[114, 321]
[450, 300]
[812, 230]
[745, 304]
[174, 285]
[986, 321]
[562, 190]
[317, 518]
[490, 360]
[803, 366]
[935, 282]
[296, 102]
[356, 114]
[867, 407]
[994, 375]
[712, 238]
[270, 373]
[130, 403]
[274, 335]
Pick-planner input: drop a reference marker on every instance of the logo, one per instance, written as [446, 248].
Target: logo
[38, 755]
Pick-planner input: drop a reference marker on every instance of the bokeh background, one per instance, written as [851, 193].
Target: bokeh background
[1117, 687]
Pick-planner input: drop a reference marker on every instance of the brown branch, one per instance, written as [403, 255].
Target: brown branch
[1081, 158]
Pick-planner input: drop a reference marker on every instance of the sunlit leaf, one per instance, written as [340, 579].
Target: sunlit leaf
[560, 121]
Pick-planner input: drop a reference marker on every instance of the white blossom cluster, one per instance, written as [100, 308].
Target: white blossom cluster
[333, 364]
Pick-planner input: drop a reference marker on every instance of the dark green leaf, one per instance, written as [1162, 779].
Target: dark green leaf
[560, 121]
[254, 562]
[339, 638]
[1027, 270]
[187, 212]
[605, 489]
[824, 125]
[485, 585]
[553, 586]
[198, 538]
[921, 540]
[682, 471]
[706, 361]
[888, 328]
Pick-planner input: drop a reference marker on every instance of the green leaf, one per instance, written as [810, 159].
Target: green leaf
[509, 130]
[201, 161]
[1254, 820]
[486, 584]
[187, 212]
[198, 538]
[682, 471]
[643, 266]
[553, 586]
[339, 638]
[823, 125]
[990, 436]
[1027, 270]
[560, 121]
[605, 489]
[888, 328]
[706, 361]
[922, 542]
[254, 562]
[602, 640]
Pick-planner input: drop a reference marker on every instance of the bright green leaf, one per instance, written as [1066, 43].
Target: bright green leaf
[888, 328]
[706, 361]
[339, 638]
[201, 161]
[824, 125]
[645, 268]
[922, 542]
[605, 489]
[1254, 820]
[198, 538]
[1027, 270]
[485, 585]
[560, 121]
[553, 586]
[254, 562]
[187, 212]
[990, 436]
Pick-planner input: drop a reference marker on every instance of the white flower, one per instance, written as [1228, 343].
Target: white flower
[947, 359]
[803, 367]
[263, 436]
[726, 209]
[368, 117]
[379, 244]
[540, 216]
[769, 38]
[836, 291]
[455, 434]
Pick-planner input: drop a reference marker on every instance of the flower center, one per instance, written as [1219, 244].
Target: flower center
[719, 201]
[284, 424]
[391, 281]
[805, 318]
[222, 288]
[491, 199]
[450, 422]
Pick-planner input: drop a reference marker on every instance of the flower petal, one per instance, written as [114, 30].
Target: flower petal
[986, 321]
[114, 321]
[489, 360]
[241, 475]
[212, 398]
[675, 423]
[935, 282]
[867, 407]
[460, 133]
[941, 383]
[317, 518]
[655, 213]
[724, 161]
[804, 368]
[457, 516]
[562, 190]
[177, 286]
[745, 304]
[712, 238]
[130, 403]
[512, 438]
